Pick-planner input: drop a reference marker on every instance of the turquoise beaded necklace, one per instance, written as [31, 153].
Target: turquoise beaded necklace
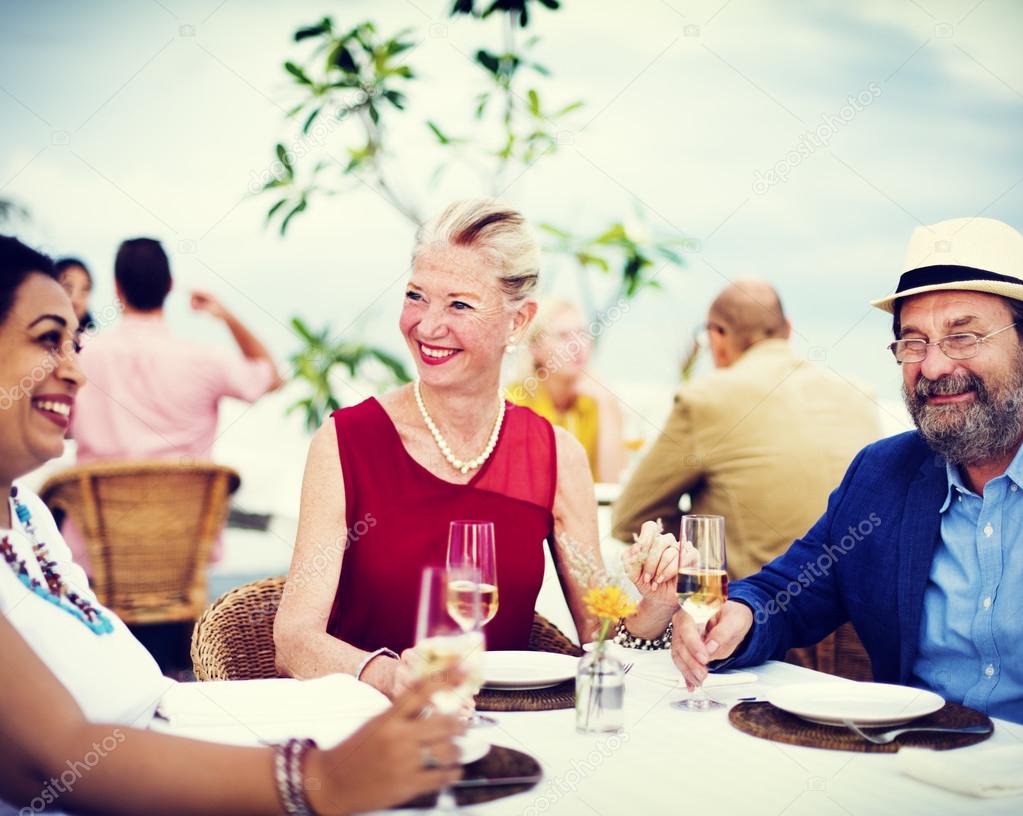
[55, 591]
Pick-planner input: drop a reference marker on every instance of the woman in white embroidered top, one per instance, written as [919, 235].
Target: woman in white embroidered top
[67, 663]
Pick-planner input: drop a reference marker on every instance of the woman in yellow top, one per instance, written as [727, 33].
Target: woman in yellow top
[560, 389]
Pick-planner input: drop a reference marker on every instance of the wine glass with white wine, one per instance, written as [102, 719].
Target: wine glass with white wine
[472, 575]
[443, 645]
[702, 585]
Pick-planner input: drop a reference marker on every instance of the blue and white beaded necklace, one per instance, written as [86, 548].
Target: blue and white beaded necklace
[55, 591]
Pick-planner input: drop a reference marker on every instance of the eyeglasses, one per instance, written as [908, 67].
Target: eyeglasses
[954, 346]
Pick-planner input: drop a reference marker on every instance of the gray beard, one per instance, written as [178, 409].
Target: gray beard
[986, 428]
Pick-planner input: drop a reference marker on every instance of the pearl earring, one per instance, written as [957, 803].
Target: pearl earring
[511, 348]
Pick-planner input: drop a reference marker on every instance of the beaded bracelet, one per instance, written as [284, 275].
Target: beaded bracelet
[623, 637]
[288, 776]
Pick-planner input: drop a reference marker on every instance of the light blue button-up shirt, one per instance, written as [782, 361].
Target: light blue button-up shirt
[971, 634]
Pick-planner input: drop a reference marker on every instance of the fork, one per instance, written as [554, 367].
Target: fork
[886, 737]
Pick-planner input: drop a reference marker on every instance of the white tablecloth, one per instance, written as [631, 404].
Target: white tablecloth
[673, 762]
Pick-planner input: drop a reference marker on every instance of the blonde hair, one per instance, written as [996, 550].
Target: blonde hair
[497, 230]
[548, 310]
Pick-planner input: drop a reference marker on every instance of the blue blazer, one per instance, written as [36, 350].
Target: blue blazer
[867, 559]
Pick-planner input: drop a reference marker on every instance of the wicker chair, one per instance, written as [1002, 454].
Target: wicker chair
[234, 639]
[148, 527]
[840, 653]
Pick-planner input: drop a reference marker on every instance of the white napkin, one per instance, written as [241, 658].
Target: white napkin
[714, 680]
[988, 773]
[252, 702]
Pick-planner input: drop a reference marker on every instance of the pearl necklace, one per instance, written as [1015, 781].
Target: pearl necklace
[454, 461]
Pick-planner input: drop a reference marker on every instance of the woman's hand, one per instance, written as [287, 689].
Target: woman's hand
[652, 563]
[395, 757]
[390, 676]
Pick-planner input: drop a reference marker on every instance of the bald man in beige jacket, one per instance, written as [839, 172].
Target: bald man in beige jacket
[761, 441]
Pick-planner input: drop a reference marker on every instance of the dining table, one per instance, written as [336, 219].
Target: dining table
[664, 761]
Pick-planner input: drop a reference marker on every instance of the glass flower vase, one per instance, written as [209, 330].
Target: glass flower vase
[599, 692]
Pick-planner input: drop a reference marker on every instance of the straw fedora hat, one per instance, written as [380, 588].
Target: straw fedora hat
[976, 254]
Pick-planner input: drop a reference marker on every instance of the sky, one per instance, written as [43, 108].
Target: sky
[151, 118]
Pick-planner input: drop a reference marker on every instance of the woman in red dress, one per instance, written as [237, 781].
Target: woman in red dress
[381, 485]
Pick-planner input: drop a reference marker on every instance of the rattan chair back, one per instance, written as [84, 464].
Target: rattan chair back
[148, 528]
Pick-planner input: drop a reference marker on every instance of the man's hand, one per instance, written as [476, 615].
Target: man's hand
[208, 303]
[725, 631]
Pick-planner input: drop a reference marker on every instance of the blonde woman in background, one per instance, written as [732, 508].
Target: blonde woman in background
[559, 388]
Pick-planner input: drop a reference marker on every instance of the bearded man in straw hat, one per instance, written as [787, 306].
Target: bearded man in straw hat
[921, 546]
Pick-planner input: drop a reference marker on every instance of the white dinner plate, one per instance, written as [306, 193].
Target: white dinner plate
[526, 670]
[877, 704]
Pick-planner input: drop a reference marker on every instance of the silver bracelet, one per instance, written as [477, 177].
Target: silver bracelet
[365, 661]
[288, 775]
[623, 637]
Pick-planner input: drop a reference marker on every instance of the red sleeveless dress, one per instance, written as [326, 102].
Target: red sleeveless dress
[398, 515]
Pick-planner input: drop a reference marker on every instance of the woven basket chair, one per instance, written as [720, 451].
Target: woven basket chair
[148, 527]
[840, 653]
[234, 639]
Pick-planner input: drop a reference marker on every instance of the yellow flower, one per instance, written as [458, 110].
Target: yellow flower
[608, 603]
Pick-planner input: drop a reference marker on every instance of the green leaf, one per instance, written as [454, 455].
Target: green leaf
[489, 61]
[322, 27]
[309, 121]
[553, 5]
[569, 108]
[444, 140]
[294, 211]
[614, 233]
[670, 255]
[396, 98]
[588, 259]
[273, 210]
[481, 104]
[462, 7]
[285, 159]
[297, 72]
[534, 102]
[395, 47]
[557, 231]
[374, 114]
[343, 59]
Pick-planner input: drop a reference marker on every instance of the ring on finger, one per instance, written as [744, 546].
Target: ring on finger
[427, 759]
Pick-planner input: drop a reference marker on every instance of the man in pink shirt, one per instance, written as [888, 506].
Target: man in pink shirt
[150, 393]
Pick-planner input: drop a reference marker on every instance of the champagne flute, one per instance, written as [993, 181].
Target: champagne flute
[702, 585]
[472, 583]
[442, 645]
[471, 546]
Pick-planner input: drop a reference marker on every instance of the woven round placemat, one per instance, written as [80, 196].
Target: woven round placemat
[545, 699]
[499, 763]
[767, 722]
